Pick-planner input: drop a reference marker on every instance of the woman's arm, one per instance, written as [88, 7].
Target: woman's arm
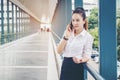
[61, 46]
[63, 42]
[87, 52]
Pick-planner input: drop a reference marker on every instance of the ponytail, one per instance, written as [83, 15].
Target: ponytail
[86, 25]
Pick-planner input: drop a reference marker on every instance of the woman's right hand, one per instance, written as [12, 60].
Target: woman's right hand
[68, 31]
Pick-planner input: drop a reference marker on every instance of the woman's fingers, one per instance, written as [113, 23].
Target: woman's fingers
[76, 60]
[67, 31]
[68, 28]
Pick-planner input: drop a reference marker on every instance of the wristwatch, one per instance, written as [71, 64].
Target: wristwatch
[65, 38]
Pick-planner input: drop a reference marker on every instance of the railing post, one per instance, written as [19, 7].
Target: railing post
[8, 21]
[85, 74]
[78, 3]
[2, 23]
[13, 21]
[107, 26]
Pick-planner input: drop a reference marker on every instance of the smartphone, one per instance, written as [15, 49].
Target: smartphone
[71, 26]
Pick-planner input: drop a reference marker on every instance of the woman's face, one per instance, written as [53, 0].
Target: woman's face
[77, 21]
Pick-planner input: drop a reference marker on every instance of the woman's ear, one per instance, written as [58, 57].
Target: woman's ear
[84, 21]
[85, 24]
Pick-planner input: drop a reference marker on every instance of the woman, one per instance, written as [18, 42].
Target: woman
[76, 47]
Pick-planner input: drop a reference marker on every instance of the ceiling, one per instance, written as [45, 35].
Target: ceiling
[40, 8]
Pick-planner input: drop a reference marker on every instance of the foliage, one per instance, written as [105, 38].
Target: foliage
[94, 33]
[118, 52]
[93, 18]
[118, 39]
[93, 26]
[118, 31]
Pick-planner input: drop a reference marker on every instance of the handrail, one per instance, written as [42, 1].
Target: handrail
[57, 57]
[93, 72]
[56, 35]
[87, 66]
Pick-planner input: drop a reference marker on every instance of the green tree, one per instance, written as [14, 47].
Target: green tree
[118, 38]
[118, 31]
[118, 52]
[93, 18]
[93, 26]
[94, 33]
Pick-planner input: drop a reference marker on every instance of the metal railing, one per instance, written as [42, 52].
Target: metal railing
[8, 37]
[87, 66]
[93, 72]
[58, 58]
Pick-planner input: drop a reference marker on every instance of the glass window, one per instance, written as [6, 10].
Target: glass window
[0, 15]
[5, 19]
[17, 19]
[0, 22]
[14, 16]
[10, 16]
[73, 5]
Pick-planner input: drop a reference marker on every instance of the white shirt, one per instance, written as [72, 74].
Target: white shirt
[79, 46]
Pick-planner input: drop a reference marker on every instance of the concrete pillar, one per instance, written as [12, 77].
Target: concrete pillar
[107, 32]
[78, 3]
[62, 17]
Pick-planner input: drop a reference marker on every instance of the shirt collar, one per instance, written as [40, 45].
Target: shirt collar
[82, 33]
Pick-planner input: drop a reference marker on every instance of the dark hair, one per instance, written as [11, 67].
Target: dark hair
[81, 11]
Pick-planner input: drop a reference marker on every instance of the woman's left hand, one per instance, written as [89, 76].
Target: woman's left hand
[76, 60]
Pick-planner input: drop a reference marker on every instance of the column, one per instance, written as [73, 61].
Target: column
[78, 3]
[107, 32]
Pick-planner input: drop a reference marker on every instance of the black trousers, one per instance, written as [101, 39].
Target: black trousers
[71, 70]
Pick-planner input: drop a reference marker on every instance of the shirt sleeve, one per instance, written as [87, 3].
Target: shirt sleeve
[87, 50]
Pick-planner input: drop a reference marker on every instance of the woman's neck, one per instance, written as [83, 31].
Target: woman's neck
[76, 32]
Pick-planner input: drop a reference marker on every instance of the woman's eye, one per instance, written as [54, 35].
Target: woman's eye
[77, 20]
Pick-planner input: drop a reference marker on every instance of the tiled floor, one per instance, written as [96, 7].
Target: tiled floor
[26, 59]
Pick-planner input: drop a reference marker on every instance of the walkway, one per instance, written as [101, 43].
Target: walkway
[25, 59]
